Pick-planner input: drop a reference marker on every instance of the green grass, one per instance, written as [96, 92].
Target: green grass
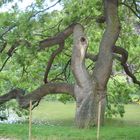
[57, 124]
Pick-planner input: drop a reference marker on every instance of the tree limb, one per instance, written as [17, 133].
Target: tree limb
[53, 55]
[57, 39]
[123, 61]
[36, 95]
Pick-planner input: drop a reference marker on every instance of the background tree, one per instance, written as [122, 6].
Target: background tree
[25, 34]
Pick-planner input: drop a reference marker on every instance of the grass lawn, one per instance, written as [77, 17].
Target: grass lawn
[55, 122]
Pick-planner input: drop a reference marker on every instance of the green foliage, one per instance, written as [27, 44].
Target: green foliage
[119, 94]
[64, 98]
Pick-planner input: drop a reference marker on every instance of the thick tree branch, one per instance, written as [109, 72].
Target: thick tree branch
[13, 94]
[36, 95]
[58, 38]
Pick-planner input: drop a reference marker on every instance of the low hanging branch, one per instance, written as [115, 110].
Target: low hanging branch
[36, 95]
[123, 60]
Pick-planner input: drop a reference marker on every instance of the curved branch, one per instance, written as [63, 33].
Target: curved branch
[36, 95]
[123, 61]
[53, 55]
[57, 39]
[13, 94]
[122, 52]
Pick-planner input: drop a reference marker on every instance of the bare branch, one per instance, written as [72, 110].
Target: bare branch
[11, 95]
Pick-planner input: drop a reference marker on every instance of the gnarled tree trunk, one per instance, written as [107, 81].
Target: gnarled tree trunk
[88, 89]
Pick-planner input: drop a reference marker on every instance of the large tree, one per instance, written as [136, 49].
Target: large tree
[89, 87]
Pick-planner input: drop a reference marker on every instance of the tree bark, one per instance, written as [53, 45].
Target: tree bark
[103, 66]
[36, 95]
[83, 88]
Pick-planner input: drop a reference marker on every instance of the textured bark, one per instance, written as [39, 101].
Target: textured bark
[83, 88]
[103, 65]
